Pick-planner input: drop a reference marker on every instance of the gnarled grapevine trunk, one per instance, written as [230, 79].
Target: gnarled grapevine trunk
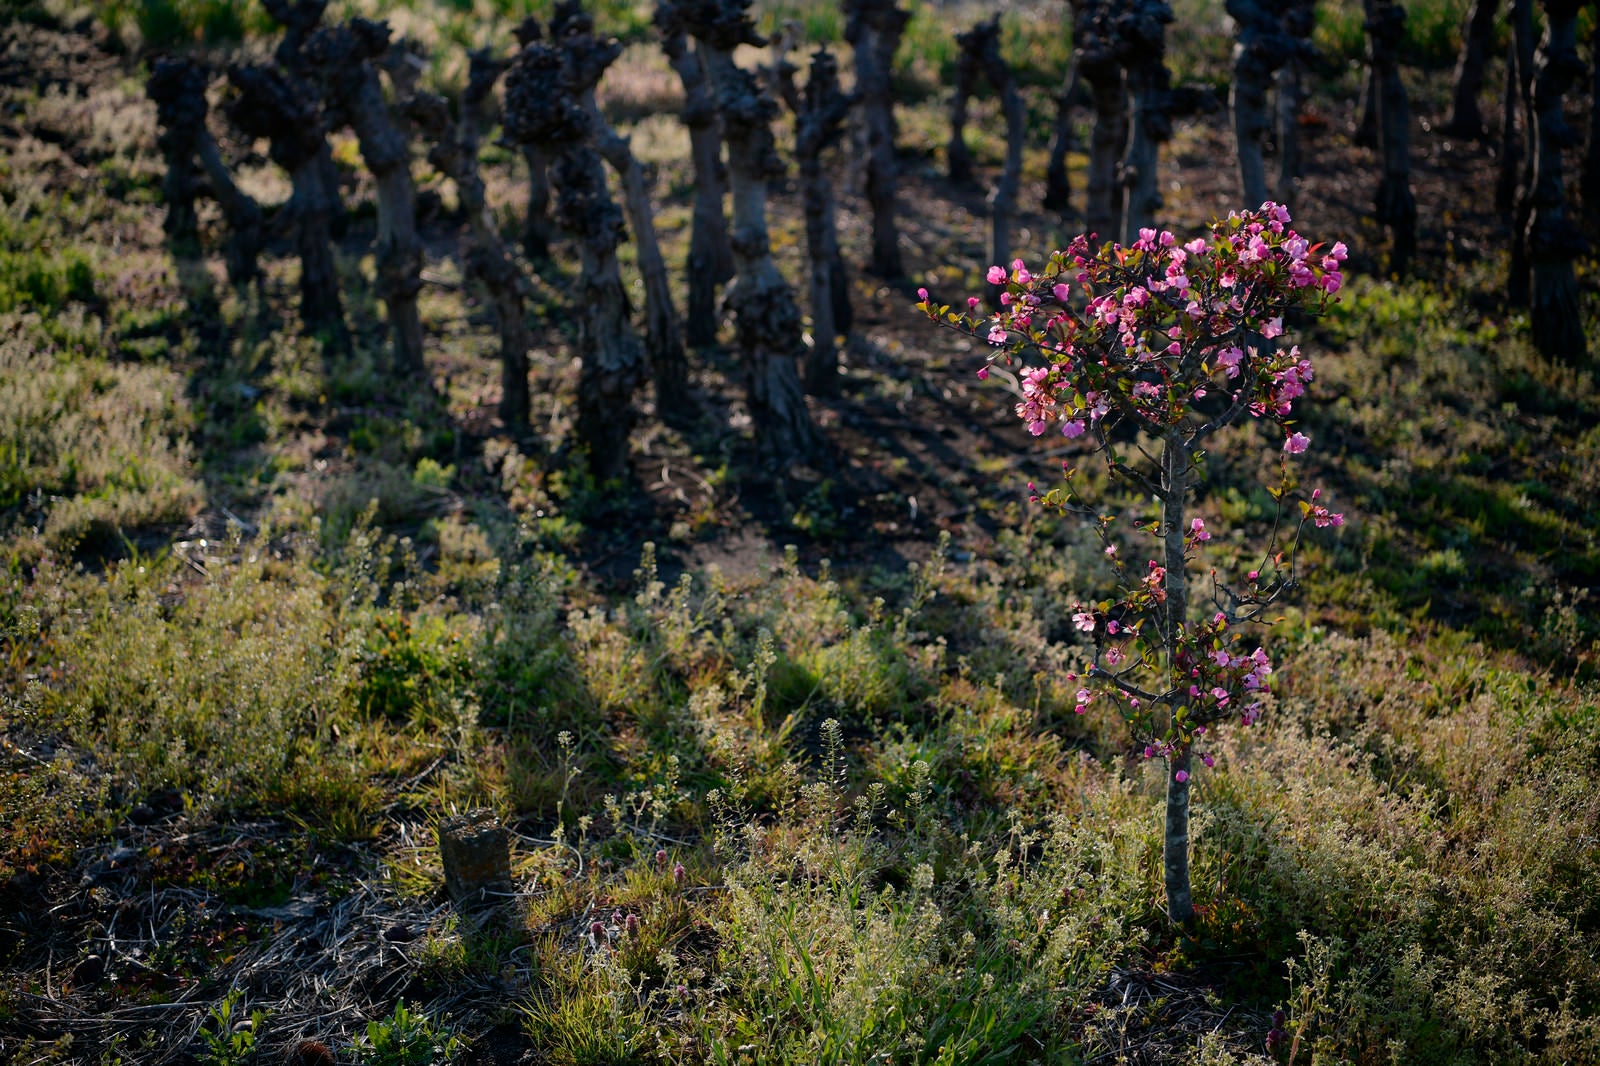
[268, 105]
[874, 29]
[1297, 23]
[342, 57]
[1150, 84]
[1395, 205]
[178, 88]
[819, 125]
[455, 153]
[980, 48]
[1553, 241]
[589, 56]
[763, 307]
[710, 254]
[542, 106]
[1097, 53]
[1258, 51]
[1057, 187]
[1466, 118]
[958, 159]
[300, 19]
[778, 75]
[536, 228]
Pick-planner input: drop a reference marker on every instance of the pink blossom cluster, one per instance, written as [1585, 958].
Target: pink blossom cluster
[1142, 332]
[1137, 336]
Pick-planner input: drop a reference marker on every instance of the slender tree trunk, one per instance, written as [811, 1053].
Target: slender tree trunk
[819, 125]
[1553, 241]
[763, 307]
[343, 56]
[1466, 118]
[1396, 207]
[710, 255]
[270, 105]
[1176, 460]
[455, 153]
[874, 29]
[1057, 185]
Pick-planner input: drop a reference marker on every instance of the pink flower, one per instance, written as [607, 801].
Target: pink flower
[1208, 760]
[1073, 428]
[1229, 359]
[1062, 292]
[1114, 656]
[997, 275]
[1296, 443]
[997, 335]
[1084, 621]
[1113, 626]
[922, 294]
[983, 373]
[1181, 776]
[1198, 528]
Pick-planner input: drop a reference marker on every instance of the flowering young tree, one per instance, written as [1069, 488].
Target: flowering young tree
[1146, 352]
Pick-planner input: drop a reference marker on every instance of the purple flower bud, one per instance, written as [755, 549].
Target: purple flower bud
[631, 924]
[661, 857]
[597, 932]
[678, 874]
